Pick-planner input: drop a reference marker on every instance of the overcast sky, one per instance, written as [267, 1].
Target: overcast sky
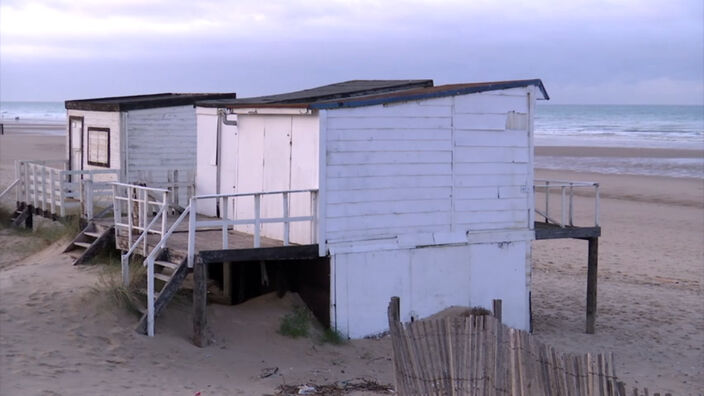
[631, 52]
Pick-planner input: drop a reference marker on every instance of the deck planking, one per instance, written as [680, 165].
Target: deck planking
[206, 239]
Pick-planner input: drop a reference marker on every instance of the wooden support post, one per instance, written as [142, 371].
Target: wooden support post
[496, 308]
[592, 264]
[227, 281]
[29, 221]
[200, 296]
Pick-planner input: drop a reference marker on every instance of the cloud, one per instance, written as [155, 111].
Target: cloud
[303, 43]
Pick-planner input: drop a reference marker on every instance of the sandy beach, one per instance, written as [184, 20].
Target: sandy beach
[59, 336]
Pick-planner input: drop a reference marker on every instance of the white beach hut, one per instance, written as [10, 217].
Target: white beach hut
[142, 137]
[423, 193]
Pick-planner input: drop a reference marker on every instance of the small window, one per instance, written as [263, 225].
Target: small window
[99, 146]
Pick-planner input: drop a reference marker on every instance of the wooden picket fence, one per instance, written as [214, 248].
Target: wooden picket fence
[477, 355]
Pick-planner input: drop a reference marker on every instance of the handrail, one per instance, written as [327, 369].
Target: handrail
[7, 190]
[225, 222]
[566, 200]
[149, 262]
[126, 256]
[50, 189]
[139, 187]
[211, 196]
[142, 210]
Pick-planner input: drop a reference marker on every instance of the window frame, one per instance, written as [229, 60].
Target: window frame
[88, 147]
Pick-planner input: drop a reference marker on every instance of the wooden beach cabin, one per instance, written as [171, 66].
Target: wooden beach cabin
[425, 192]
[145, 138]
[355, 192]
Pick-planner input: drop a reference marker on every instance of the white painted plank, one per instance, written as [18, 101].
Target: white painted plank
[401, 157]
[474, 205]
[480, 121]
[491, 154]
[491, 138]
[491, 103]
[390, 194]
[407, 220]
[370, 183]
[388, 207]
[489, 180]
[349, 134]
[494, 226]
[355, 170]
[513, 191]
[414, 108]
[491, 168]
[405, 122]
[492, 216]
[476, 192]
[389, 145]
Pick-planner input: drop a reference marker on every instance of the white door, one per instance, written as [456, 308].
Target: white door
[75, 133]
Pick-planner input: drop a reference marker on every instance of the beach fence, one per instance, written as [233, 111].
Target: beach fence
[477, 355]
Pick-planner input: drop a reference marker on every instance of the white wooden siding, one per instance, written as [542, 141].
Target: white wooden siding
[438, 165]
[206, 127]
[159, 140]
[428, 280]
[101, 119]
[270, 152]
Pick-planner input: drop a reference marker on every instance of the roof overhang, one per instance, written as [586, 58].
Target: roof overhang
[432, 92]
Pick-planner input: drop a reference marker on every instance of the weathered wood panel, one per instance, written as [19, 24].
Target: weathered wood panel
[455, 149]
[351, 134]
[429, 279]
[159, 140]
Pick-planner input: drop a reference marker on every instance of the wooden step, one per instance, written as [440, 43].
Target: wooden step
[166, 264]
[85, 245]
[162, 277]
[92, 234]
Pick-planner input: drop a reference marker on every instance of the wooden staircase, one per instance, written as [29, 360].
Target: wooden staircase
[90, 242]
[170, 271]
[22, 215]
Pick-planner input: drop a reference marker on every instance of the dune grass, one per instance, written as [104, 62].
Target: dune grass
[130, 297]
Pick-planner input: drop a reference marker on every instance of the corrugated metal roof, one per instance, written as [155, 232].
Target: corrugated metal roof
[338, 91]
[125, 103]
[429, 93]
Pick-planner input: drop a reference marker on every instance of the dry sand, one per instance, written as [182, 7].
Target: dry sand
[58, 336]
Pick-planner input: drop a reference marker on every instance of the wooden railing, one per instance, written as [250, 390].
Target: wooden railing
[180, 183]
[9, 188]
[49, 186]
[565, 205]
[226, 222]
[150, 261]
[146, 210]
[137, 202]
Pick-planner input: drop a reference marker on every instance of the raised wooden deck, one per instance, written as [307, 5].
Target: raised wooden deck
[591, 234]
[552, 231]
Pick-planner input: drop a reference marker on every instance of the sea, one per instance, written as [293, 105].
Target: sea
[631, 126]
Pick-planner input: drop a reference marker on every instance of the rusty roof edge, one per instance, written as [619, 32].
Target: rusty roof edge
[402, 96]
[137, 102]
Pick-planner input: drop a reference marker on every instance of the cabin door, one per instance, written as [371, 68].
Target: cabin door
[75, 143]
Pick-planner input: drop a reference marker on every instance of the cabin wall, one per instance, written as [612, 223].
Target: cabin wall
[264, 152]
[428, 280]
[431, 201]
[440, 168]
[160, 140]
[275, 153]
[100, 119]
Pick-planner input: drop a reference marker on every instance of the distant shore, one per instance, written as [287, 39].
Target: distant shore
[34, 127]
